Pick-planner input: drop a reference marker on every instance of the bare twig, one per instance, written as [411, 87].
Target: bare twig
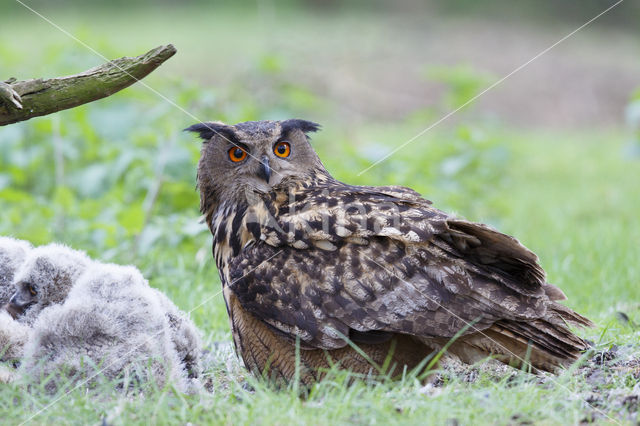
[41, 97]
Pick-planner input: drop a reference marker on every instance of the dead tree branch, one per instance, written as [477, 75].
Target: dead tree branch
[22, 100]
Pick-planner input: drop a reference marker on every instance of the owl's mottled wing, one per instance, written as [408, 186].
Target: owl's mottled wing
[342, 260]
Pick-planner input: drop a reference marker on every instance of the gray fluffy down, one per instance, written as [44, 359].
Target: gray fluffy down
[52, 269]
[12, 255]
[111, 326]
[92, 322]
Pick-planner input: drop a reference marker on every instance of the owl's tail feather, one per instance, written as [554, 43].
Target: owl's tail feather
[544, 344]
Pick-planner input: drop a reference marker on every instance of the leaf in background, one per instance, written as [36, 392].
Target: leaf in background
[15, 195]
[131, 218]
[116, 122]
[148, 238]
[462, 82]
[270, 64]
[179, 164]
[64, 198]
[92, 180]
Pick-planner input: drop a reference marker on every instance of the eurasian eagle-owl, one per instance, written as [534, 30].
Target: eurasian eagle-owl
[358, 274]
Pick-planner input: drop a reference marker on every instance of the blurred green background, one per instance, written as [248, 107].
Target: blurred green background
[549, 155]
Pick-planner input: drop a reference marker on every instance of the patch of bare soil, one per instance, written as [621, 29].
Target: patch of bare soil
[613, 377]
[610, 378]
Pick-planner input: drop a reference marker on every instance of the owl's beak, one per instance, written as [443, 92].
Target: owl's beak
[14, 311]
[17, 306]
[265, 169]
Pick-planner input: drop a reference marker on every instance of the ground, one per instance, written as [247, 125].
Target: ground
[545, 157]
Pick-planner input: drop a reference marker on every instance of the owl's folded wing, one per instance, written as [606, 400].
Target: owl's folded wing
[369, 261]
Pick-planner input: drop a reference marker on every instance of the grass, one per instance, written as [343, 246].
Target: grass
[86, 177]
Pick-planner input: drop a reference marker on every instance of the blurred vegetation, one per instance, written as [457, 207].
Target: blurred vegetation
[633, 121]
[524, 9]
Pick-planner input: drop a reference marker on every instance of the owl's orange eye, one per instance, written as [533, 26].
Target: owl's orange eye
[237, 154]
[282, 149]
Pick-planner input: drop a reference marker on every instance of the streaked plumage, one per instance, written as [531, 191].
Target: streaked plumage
[301, 255]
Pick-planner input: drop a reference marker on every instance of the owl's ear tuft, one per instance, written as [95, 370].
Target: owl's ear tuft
[304, 125]
[209, 129]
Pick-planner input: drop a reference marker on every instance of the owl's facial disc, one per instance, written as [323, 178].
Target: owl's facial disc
[262, 163]
[240, 161]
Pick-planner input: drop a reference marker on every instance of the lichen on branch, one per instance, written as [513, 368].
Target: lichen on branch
[22, 100]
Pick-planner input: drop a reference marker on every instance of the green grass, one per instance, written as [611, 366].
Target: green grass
[86, 177]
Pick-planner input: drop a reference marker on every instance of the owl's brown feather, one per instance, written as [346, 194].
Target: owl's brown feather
[266, 351]
[314, 259]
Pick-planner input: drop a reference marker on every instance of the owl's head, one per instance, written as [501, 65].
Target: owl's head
[251, 157]
[45, 278]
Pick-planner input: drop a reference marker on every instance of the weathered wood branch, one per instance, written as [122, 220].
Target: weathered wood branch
[22, 100]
